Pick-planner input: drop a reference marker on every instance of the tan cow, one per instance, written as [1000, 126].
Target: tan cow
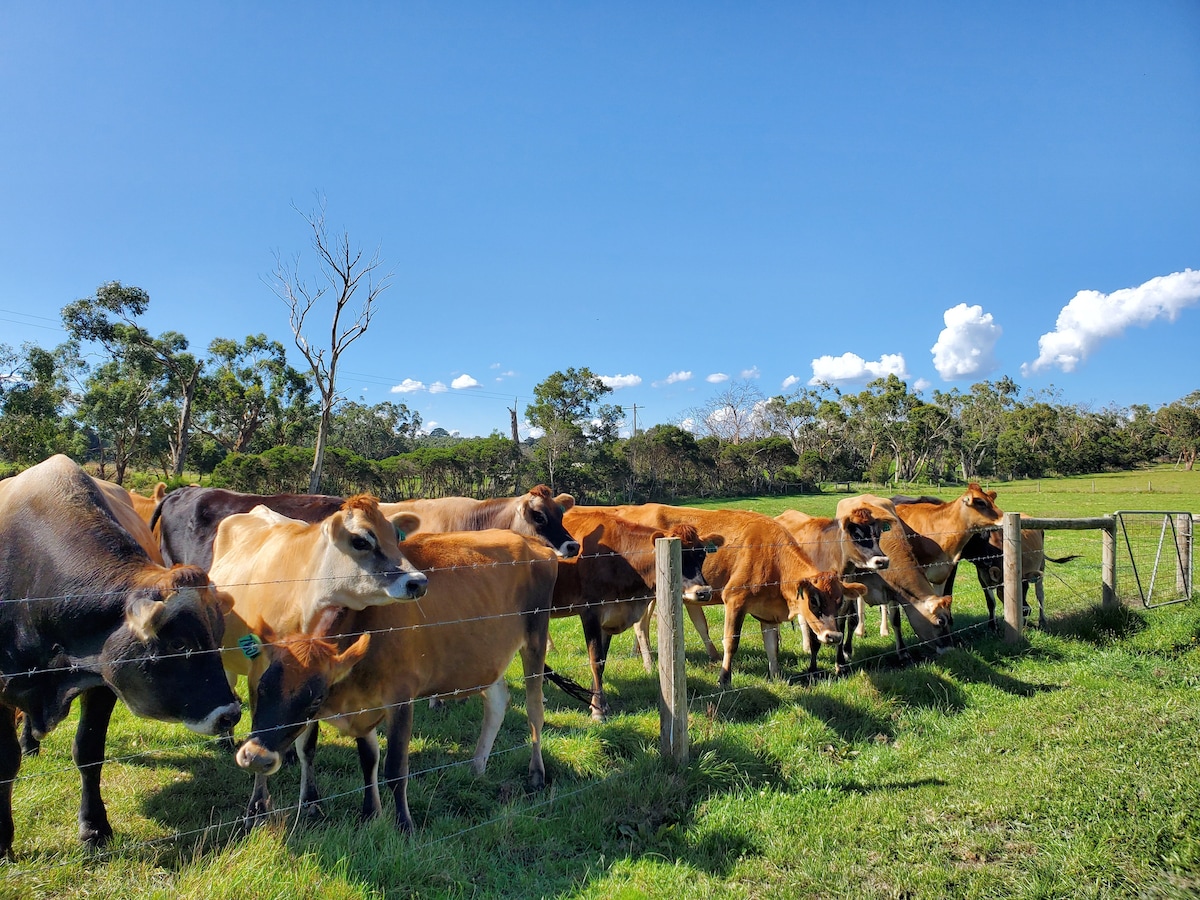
[125, 508]
[610, 585]
[537, 515]
[758, 570]
[986, 551]
[490, 595]
[286, 575]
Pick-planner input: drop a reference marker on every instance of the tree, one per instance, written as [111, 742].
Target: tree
[115, 402]
[250, 387]
[110, 319]
[34, 392]
[375, 432]
[564, 408]
[341, 271]
[1179, 429]
[735, 414]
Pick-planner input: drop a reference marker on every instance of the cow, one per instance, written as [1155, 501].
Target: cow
[144, 506]
[85, 613]
[537, 515]
[847, 543]
[186, 520]
[490, 596]
[947, 525]
[986, 552]
[286, 574]
[611, 583]
[122, 504]
[758, 570]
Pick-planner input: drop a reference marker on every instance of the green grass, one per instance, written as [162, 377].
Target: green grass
[1060, 767]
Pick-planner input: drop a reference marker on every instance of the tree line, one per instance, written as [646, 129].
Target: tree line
[241, 416]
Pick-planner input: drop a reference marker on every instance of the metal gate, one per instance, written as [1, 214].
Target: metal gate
[1157, 547]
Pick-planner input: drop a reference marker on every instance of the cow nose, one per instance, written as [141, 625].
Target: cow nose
[569, 549]
[699, 594]
[258, 759]
[409, 586]
[227, 719]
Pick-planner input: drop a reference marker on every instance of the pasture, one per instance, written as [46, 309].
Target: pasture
[1060, 767]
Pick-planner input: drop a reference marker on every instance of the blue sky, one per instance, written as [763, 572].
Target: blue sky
[665, 193]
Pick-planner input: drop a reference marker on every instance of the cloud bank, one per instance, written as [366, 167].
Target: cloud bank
[852, 367]
[966, 346]
[1092, 317]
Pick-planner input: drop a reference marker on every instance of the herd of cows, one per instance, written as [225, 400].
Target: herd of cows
[349, 610]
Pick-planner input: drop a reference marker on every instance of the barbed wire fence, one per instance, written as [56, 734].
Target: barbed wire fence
[1078, 582]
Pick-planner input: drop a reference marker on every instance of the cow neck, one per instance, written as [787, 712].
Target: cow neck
[489, 514]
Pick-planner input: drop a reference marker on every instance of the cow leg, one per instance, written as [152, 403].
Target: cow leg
[770, 636]
[260, 803]
[893, 612]
[10, 764]
[535, 664]
[641, 638]
[95, 710]
[597, 648]
[735, 617]
[884, 613]
[813, 646]
[806, 641]
[306, 752]
[495, 702]
[845, 650]
[30, 746]
[861, 628]
[1040, 591]
[368, 761]
[696, 614]
[395, 765]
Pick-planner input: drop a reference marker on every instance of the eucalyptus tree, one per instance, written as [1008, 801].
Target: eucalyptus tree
[1179, 429]
[36, 391]
[568, 412]
[117, 404]
[341, 272]
[110, 319]
[250, 389]
[375, 432]
[980, 415]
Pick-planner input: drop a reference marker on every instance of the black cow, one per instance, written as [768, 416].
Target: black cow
[187, 519]
[85, 613]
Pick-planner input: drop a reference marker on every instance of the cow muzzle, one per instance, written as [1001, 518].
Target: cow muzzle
[256, 758]
[701, 593]
[409, 586]
[568, 550]
[877, 563]
[220, 721]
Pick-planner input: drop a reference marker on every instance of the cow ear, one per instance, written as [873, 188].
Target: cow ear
[142, 614]
[565, 502]
[854, 588]
[713, 541]
[341, 664]
[406, 523]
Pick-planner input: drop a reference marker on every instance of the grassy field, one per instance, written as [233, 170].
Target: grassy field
[1060, 767]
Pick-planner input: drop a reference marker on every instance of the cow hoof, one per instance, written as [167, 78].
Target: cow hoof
[312, 811]
[94, 837]
[537, 781]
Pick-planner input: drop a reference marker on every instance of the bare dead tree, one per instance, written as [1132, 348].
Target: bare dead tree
[341, 272]
[734, 415]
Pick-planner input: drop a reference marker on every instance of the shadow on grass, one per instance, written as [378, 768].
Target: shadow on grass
[1099, 626]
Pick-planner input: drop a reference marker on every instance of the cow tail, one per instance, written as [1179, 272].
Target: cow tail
[569, 687]
[1063, 559]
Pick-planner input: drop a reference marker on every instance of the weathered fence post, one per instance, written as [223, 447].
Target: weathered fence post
[1108, 566]
[1014, 621]
[1183, 578]
[672, 677]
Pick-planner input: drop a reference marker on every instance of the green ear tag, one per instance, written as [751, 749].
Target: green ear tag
[562, 509]
[885, 526]
[251, 645]
[400, 535]
[710, 548]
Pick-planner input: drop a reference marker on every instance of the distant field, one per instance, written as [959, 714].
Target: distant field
[1061, 767]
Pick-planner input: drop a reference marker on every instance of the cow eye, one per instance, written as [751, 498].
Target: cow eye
[360, 543]
[178, 647]
[539, 518]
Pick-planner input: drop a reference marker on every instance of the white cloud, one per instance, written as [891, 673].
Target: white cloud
[407, 386]
[922, 384]
[966, 346]
[789, 381]
[674, 378]
[464, 381]
[494, 366]
[616, 382]
[1092, 317]
[752, 372]
[438, 388]
[534, 431]
[852, 367]
[717, 378]
[688, 424]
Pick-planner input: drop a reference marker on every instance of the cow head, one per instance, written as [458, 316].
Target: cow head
[979, 508]
[694, 549]
[862, 531]
[291, 691]
[360, 561]
[820, 600]
[165, 663]
[538, 515]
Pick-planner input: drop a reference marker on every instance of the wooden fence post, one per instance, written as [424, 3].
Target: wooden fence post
[672, 677]
[1108, 566]
[1183, 538]
[1014, 620]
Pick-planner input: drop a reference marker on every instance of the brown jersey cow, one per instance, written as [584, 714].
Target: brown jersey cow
[490, 595]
